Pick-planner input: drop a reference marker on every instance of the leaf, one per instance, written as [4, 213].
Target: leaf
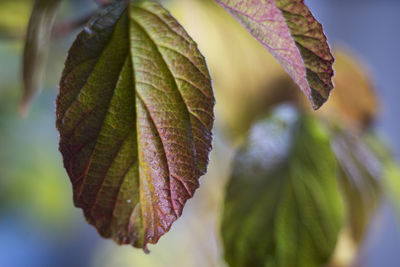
[282, 208]
[390, 169]
[392, 183]
[36, 47]
[288, 30]
[360, 177]
[355, 102]
[135, 113]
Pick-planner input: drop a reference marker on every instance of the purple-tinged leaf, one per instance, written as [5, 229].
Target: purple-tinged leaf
[288, 30]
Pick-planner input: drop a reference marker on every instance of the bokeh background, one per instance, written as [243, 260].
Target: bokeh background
[39, 226]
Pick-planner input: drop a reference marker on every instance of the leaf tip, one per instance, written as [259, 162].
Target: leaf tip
[317, 99]
[24, 106]
[146, 250]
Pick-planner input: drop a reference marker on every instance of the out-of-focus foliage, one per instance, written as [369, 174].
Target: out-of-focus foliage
[368, 175]
[353, 102]
[360, 175]
[36, 48]
[282, 210]
[392, 183]
[238, 107]
[14, 16]
[390, 169]
[32, 182]
[352, 108]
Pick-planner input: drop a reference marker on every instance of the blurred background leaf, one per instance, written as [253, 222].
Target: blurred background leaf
[392, 183]
[359, 174]
[14, 16]
[390, 168]
[37, 41]
[286, 211]
[360, 178]
[354, 102]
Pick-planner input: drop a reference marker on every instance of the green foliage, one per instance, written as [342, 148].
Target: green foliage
[282, 209]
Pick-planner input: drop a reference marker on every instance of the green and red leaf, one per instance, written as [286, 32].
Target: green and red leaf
[135, 114]
[288, 30]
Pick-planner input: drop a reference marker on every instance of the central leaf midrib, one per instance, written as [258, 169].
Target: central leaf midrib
[153, 121]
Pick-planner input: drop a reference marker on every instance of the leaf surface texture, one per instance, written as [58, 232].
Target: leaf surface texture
[135, 113]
